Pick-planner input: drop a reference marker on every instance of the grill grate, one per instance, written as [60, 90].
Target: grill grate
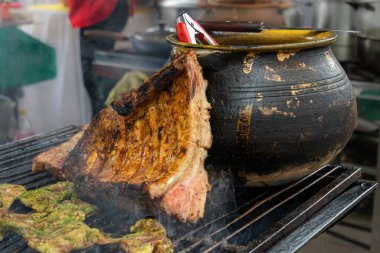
[253, 222]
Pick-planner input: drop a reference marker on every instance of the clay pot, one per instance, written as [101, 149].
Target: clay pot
[282, 106]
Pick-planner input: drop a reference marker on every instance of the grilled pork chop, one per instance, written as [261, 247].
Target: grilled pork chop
[52, 160]
[152, 143]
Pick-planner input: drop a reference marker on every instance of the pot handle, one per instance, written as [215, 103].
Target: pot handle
[232, 26]
[357, 5]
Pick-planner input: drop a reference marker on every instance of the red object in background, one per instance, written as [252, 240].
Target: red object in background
[182, 33]
[85, 13]
[15, 5]
[132, 7]
[190, 31]
[5, 7]
[4, 11]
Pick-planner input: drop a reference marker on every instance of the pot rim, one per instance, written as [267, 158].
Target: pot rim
[271, 40]
[366, 36]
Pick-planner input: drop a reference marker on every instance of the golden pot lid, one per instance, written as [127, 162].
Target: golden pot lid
[268, 40]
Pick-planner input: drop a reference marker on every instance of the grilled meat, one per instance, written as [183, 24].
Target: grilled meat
[62, 227]
[8, 193]
[47, 198]
[151, 144]
[52, 160]
[146, 235]
[58, 231]
[57, 225]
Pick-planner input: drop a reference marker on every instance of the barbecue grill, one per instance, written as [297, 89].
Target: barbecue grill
[275, 219]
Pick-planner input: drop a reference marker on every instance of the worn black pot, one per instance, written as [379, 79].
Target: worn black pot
[281, 108]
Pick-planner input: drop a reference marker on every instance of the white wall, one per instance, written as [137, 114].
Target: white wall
[62, 101]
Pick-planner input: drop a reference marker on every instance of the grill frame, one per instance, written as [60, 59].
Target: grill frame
[322, 191]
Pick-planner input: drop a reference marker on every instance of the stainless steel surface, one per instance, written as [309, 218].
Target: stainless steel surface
[332, 14]
[366, 18]
[368, 51]
[365, 15]
[270, 14]
[152, 41]
[126, 60]
[335, 14]
[324, 219]
[321, 29]
[254, 26]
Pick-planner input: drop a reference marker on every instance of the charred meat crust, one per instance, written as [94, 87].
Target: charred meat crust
[149, 148]
[53, 159]
[159, 81]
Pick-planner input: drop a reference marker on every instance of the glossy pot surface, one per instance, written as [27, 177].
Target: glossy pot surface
[282, 106]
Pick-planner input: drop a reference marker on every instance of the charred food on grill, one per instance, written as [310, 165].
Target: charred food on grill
[52, 160]
[150, 147]
[59, 224]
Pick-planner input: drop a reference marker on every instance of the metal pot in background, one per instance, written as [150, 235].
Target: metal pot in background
[275, 13]
[269, 12]
[366, 18]
[368, 50]
[152, 41]
[334, 14]
[365, 15]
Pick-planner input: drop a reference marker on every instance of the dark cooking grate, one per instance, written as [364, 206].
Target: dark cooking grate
[254, 221]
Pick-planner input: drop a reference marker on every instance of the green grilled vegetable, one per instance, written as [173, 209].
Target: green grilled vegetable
[8, 194]
[45, 199]
[57, 225]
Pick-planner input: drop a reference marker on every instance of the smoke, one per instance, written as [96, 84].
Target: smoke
[221, 201]
[219, 204]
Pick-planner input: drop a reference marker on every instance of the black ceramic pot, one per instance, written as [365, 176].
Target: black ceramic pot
[281, 108]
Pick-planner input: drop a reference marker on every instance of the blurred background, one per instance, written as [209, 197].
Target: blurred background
[54, 74]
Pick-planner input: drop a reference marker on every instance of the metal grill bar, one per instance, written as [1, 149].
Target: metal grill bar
[36, 140]
[29, 178]
[17, 154]
[13, 173]
[16, 165]
[253, 213]
[14, 243]
[326, 217]
[16, 158]
[40, 183]
[304, 211]
[18, 246]
[28, 250]
[273, 212]
[257, 202]
[8, 240]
